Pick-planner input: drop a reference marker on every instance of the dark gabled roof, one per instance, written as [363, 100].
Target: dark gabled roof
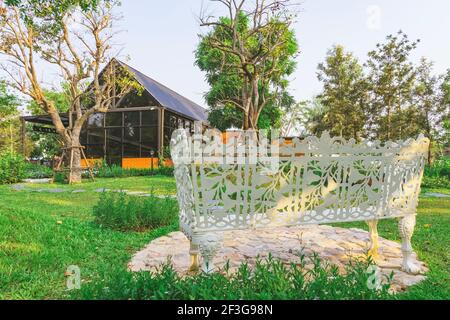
[168, 98]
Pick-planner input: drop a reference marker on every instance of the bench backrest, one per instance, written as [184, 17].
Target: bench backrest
[315, 180]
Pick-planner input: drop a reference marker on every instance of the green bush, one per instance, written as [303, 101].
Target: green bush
[119, 211]
[430, 182]
[439, 169]
[12, 168]
[269, 280]
[105, 171]
[37, 171]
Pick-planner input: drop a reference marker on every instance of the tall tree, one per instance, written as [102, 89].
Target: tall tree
[344, 94]
[391, 79]
[47, 146]
[9, 119]
[75, 37]
[228, 116]
[445, 102]
[312, 117]
[247, 55]
[428, 104]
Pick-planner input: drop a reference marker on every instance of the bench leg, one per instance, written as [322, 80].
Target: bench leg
[194, 252]
[406, 228]
[373, 234]
[208, 245]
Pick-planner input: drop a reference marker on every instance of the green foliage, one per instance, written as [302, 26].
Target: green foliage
[9, 119]
[435, 182]
[8, 102]
[437, 175]
[12, 167]
[269, 280]
[231, 82]
[47, 146]
[105, 171]
[37, 171]
[343, 96]
[52, 12]
[391, 81]
[439, 168]
[311, 116]
[123, 212]
[59, 98]
[228, 117]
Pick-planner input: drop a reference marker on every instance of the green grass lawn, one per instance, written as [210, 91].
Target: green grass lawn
[35, 250]
[41, 234]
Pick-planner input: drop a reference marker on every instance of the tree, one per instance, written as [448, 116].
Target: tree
[9, 119]
[75, 37]
[428, 104]
[248, 55]
[228, 116]
[312, 117]
[344, 94]
[444, 138]
[391, 82]
[47, 146]
[291, 115]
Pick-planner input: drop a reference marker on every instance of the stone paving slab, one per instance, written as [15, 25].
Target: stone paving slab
[437, 195]
[335, 245]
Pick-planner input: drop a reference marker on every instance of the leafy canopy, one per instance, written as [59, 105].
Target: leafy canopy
[229, 78]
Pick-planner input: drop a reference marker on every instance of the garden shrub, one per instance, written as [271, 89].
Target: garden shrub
[37, 171]
[12, 168]
[105, 171]
[439, 169]
[119, 211]
[269, 280]
[439, 182]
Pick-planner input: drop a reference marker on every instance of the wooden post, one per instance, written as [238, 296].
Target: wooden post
[161, 131]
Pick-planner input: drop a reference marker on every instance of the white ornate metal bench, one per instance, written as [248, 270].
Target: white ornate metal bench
[315, 181]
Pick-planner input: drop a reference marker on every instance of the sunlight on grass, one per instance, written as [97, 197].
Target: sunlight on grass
[19, 248]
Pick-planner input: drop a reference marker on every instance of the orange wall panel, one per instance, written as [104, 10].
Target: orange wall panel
[139, 163]
[90, 163]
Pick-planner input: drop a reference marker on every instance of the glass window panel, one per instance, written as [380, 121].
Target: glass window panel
[114, 119]
[173, 122]
[96, 136]
[168, 136]
[131, 142]
[114, 143]
[83, 136]
[131, 119]
[95, 151]
[149, 141]
[150, 118]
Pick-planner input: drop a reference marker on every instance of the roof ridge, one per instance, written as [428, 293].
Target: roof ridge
[162, 85]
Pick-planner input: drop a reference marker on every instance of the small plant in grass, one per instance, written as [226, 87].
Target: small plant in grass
[269, 280]
[119, 211]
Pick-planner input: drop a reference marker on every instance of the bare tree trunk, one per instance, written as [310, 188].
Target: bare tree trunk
[76, 163]
[430, 153]
[76, 171]
[246, 122]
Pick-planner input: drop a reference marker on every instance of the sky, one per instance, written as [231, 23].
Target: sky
[160, 37]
